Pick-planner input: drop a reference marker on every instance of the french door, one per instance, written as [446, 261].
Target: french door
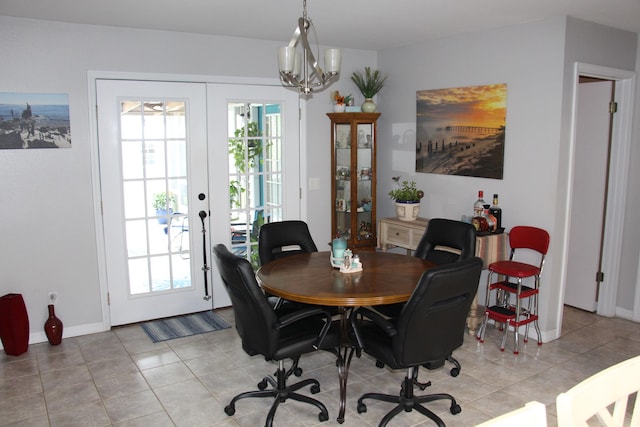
[152, 144]
[259, 164]
[184, 166]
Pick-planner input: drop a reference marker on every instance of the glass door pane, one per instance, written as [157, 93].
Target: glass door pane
[364, 176]
[255, 172]
[343, 179]
[154, 180]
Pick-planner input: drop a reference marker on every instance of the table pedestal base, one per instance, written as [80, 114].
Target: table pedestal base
[344, 354]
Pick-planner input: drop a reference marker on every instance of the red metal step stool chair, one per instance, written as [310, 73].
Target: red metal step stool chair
[521, 239]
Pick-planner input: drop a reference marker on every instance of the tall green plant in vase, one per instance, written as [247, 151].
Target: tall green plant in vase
[369, 84]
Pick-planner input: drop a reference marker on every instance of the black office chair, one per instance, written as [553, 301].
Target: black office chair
[445, 241]
[275, 336]
[281, 239]
[429, 328]
[284, 238]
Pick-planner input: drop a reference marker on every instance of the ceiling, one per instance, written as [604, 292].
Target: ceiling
[359, 24]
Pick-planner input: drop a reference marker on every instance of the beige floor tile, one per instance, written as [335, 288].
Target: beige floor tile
[21, 408]
[121, 385]
[89, 415]
[20, 386]
[63, 398]
[167, 374]
[159, 419]
[176, 395]
[155, 358]
[132, 406]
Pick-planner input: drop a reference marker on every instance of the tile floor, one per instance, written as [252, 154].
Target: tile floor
[121, 378]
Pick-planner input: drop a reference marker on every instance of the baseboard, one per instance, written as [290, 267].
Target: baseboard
[67, 332]
[623, 313]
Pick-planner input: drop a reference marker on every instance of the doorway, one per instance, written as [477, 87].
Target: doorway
[588, 209]
[168, 154]
[616, 188]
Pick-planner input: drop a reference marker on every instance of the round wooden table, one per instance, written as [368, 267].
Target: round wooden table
[386, 278]
[309, 278]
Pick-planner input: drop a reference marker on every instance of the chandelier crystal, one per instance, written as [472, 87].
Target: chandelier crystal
[298, 54]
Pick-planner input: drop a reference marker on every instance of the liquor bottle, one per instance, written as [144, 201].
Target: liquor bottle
[478, 206]
[480, 223]
[496, 211]
[491, 220]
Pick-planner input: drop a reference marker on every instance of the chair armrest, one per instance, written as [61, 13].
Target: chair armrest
[298, 315]
[376, 318]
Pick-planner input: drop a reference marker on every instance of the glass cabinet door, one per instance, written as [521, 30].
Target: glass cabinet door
[363, 177]
[342, 155]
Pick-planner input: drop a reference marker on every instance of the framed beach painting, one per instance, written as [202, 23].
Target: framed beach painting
[34, 120]
[461, 131]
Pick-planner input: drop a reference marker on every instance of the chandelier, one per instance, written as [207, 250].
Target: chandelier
[298, 54]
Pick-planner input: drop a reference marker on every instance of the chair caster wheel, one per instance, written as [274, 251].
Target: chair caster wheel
[262, 384]
[315, 389]
[229, 410]
[362, 408]
[323, 417]
[297, 372]
[379, 364]
[454, 372]
[455, 409]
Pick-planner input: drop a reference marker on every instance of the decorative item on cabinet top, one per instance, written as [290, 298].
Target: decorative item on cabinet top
[369, 84]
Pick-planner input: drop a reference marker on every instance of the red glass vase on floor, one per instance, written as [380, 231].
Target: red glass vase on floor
[14, 324]
[53, 327]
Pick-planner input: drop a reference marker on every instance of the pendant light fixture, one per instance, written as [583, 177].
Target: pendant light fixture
[298, 64]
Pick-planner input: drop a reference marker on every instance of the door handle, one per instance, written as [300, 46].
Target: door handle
[205, 267]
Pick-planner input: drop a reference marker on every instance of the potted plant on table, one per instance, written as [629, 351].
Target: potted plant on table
[164, 203]
[369, 85]
[407, 197]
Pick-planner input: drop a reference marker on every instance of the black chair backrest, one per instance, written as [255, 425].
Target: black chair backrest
[275, 237]
[442, 232]
[431, 324]
[255, 319]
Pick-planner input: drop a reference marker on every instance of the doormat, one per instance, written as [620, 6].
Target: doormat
[184, 326]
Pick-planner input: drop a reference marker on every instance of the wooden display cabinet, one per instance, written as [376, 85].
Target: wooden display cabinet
[353, 186]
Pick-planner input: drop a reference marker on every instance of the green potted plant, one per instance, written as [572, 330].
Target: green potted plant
[407, 197]
[163, 201]
[369, 84]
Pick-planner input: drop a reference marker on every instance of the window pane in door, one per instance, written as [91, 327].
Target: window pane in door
[255, 172]
[154, 181]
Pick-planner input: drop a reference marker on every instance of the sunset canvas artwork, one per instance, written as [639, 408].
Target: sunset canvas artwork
[461, 131]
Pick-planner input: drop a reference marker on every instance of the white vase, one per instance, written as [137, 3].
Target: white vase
[339, 108]
[368, 106]
[407, 211]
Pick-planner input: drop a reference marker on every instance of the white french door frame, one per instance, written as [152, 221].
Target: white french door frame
[93, 77]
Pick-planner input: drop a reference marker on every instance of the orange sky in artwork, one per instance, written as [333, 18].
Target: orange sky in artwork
[465, 106]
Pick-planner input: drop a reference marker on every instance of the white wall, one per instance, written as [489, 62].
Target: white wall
[530, 59]
[47, 227]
